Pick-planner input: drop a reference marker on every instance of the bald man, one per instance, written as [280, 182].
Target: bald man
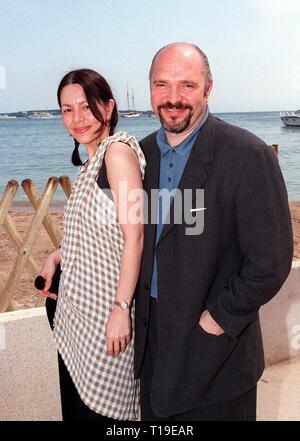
[215, 250]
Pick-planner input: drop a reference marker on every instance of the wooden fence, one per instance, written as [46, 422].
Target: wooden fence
[275, 148]
[41, 205]
[24, 246]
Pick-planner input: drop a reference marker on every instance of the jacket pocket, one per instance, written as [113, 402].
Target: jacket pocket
[209, 335]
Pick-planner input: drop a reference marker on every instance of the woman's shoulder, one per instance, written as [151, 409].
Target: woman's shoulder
[122, 137]
[117, 142]
[117, 149]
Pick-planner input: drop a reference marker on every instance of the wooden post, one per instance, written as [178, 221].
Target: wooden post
[7, 198]
[1, 287]
[34, 198]
[8, 224]
[66, 184]
[17, 241]
[12, 232]
[5, 204]
[24, 253]
[275, 149]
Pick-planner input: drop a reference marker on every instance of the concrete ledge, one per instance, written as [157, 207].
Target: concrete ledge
[280, 320]
[29, 382]
[278, 392]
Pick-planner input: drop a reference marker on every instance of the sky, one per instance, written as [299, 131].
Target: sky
[252, 45]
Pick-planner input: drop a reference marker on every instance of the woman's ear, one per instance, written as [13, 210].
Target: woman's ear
[109, 108]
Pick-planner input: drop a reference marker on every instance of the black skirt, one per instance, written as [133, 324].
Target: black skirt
[51, 303]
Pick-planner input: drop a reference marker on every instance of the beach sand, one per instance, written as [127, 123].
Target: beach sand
[22, 213]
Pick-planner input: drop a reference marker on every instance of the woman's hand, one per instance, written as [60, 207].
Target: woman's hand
[118, 331]
[49, 268]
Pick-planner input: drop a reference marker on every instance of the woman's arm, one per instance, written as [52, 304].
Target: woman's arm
[124, 177]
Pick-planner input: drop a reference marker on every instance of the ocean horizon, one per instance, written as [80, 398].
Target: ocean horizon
[39, 148]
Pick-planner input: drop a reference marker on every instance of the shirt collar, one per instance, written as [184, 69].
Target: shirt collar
[184, 147]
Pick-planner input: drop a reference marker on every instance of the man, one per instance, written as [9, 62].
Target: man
[199, 352]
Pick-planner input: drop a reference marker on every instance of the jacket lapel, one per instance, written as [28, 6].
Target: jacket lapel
[194, 175]
[151, 184]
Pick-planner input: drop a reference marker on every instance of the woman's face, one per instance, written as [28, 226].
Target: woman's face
[78, 118]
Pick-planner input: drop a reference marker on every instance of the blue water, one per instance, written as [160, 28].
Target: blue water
[38, 149]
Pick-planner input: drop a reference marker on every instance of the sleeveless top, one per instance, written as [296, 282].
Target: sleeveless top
[90, 261]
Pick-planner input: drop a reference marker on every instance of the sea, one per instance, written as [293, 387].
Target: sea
[38, 149]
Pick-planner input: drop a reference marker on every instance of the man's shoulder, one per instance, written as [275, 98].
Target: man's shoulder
[147, 143]
[237, 140]
[232, 132]
[149, 139]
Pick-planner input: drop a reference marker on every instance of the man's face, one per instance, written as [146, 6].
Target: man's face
[178, 92]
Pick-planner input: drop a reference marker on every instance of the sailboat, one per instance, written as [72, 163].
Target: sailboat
[131, 113]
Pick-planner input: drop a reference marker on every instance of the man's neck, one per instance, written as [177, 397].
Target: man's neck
[177, 138]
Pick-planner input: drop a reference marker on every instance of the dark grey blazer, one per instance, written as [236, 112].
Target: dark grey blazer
[237, 264]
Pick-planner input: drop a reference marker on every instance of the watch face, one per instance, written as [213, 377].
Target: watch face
[124, 305]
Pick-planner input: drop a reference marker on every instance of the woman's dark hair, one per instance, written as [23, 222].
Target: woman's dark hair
[96, 89]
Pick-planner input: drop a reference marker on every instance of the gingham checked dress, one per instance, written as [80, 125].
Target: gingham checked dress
[90, 260]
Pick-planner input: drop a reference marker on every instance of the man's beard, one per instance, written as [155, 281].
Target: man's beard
[180, 126]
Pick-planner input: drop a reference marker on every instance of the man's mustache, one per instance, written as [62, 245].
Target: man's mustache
[179, 105]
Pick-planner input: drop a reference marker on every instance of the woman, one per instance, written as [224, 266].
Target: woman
[99, 257]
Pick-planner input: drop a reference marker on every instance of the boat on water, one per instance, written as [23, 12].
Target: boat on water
[291, 118]
[131, 113]
[7, 117]
[42, 115]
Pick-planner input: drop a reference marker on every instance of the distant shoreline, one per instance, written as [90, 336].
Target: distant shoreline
[35, 114]
[24, 114]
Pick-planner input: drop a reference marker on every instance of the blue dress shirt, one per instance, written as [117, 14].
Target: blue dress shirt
[172, 164]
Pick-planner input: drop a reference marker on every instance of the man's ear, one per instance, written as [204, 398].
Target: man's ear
[208, 89]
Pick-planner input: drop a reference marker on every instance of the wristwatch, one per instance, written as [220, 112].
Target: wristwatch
[123, 305]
